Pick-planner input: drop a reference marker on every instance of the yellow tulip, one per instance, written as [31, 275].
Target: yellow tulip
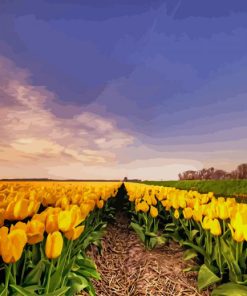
[175, 202]
[144, 207]
[51, 223]
[74, 233]
[19, 225]
[223, 212]
[35, 232]
[238, 234]
[197, 215]
[147, 198]
[215, 227]
[154, 212]
[85, 209]
[9, 212]
[176, 214]
[182, 201]
[21, 209]
[12, 245]
[64, 220]
[154, 200]
[3, 235]
[166, 204]
[54, 245]
[100, 204]
[188, 213]
[1, 217]
[206, 223]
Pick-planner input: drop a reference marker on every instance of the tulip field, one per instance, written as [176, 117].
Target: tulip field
[46, 229]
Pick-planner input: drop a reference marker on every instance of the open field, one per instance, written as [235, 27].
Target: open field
[114, 239]
[224, 188]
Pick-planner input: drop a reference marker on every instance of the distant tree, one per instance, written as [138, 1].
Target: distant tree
[215, 174]
[219, 174]
[242, 171]
[125, 179]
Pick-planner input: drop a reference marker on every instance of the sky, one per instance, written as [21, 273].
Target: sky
[106, 89]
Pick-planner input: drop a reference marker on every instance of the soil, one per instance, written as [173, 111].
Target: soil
[127, 269]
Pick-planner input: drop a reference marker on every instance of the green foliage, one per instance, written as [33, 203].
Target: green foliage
[235, 188]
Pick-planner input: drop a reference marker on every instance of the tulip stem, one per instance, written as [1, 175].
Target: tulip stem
[23, 268]
[49, 278]
[14, 272]
[7, 275]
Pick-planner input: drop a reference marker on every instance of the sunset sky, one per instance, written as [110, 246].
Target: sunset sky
[106, 89]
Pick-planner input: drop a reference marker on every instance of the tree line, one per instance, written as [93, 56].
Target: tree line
[215, 174]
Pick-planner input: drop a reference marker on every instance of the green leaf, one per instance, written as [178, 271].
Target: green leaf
[34, 275]
[152, 234]
[59, 292]
[191, 268]
[194, 233]
[195, 247]
[234, 269]
[22, 291]
[89, 273]
[77, 283]
[4, 292]
[139, 230]
[230, 289]
[189, 254]
[153, 242]
[206, 277]
[170, 227]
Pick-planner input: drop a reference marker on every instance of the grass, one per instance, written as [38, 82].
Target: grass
[235, 188]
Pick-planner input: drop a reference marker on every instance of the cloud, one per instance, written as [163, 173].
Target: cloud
[30, 132]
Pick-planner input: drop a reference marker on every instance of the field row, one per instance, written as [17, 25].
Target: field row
[46, 228]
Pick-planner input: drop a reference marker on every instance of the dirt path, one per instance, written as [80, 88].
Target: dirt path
[128, 270]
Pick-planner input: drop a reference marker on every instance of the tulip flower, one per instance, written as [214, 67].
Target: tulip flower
[85, 209]
[206, 223]
[35, 232]
[154, 212]
[144, 207]
[54, 245]
[3, 235]
[51, 223]
[12, 245]
[100, 204]
[197, 215]
[188, 213]
[238, 234]
[176, 214]
[64, 220]
[215, 227]
[223, 212]
[1, 217]
[74, 233]
[20, 210]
